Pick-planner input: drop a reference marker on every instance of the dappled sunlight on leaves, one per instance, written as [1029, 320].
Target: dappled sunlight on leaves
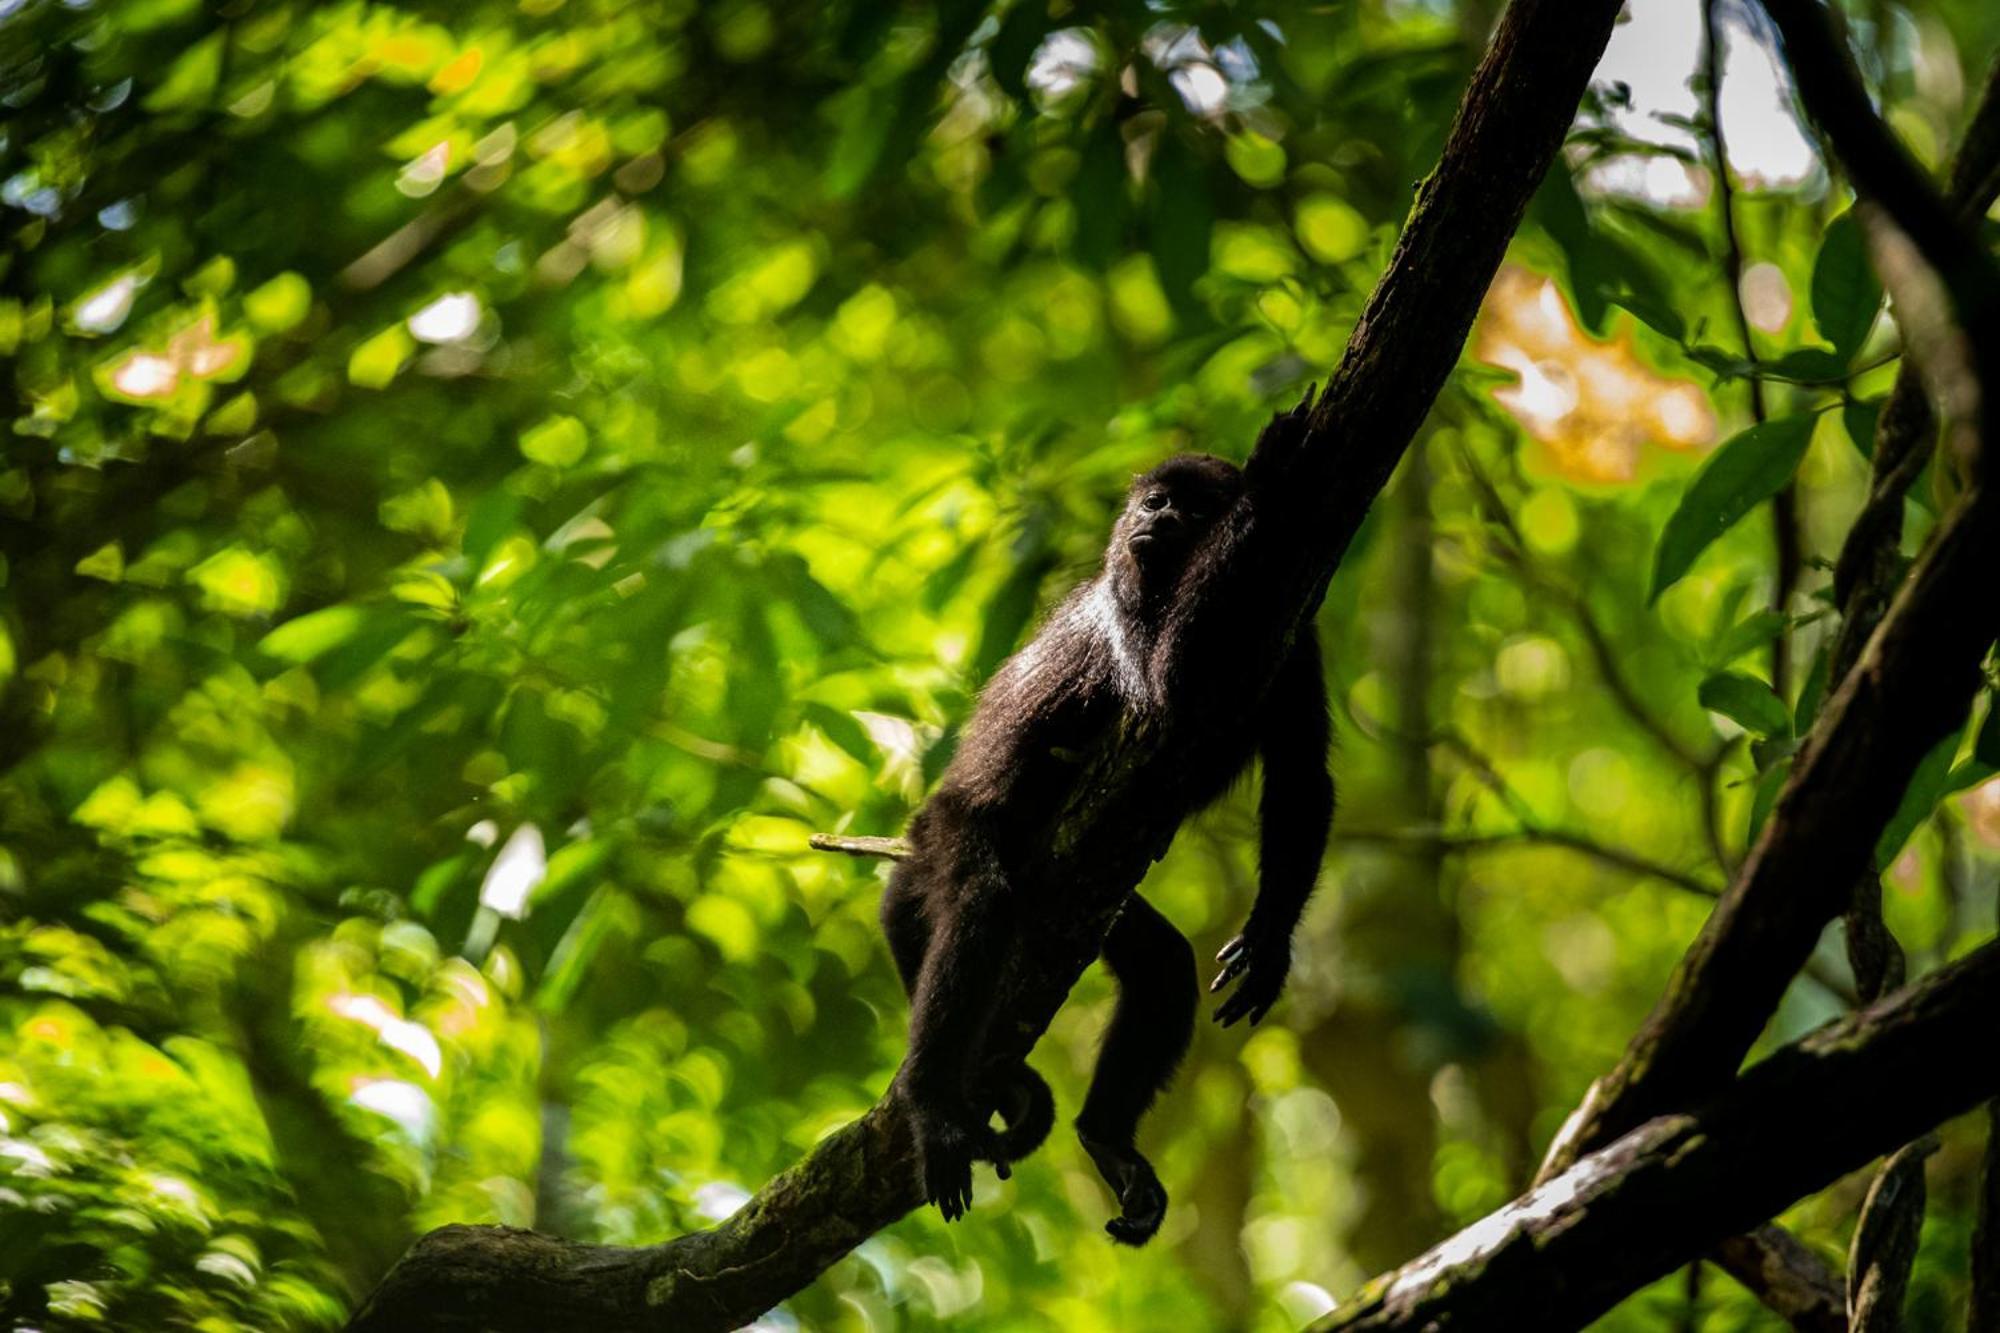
[485, 485]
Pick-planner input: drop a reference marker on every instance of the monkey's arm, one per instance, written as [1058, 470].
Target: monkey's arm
[1296, 813]
[1278, 445]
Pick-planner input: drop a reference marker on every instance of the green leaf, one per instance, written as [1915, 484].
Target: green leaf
[938, 757]
[303, 638]
[1008, 54]
[1098, 195]
[1748, 702]
[1745, 471]
[1813, 693]
[1860, 417]
[556, 441]
[755, 688]
[1009, 610]
[1726, 364]
[1753, 631]
[1560, 211]
[841, 728]
[1928, 786]
[825, 615]
[1660, 318]
[1987, 748]
[1845, 291]
[1968, 774]
[1769, 784]
[1811, 365]
[946, 579]
[1181, 222]
[863, 117]
[192, 80]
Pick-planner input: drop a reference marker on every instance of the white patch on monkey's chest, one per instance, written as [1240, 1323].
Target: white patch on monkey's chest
[1126, 668]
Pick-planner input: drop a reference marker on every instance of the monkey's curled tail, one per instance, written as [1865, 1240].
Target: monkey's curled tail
[1030, 1112]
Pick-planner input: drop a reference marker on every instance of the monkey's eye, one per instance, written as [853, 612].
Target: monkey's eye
[1155, 501]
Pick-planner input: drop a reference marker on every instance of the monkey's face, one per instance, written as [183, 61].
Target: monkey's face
[1172, 508]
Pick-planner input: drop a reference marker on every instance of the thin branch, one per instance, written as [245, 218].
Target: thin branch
[1675, 1185]
[1535, 836]
[1785, 504]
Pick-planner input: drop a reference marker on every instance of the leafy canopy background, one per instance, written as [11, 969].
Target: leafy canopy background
[485, 481]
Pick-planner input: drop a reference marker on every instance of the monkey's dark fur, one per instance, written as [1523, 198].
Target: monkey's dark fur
[1113, 658]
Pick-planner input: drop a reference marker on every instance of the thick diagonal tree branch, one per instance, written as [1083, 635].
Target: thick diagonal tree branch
[1870, 563]
[1912, 686]
[1667, 1190]
[1868, 570]
[1509, 126]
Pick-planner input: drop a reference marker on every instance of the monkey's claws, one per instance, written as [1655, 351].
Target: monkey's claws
[1262, 963]
[945, 1153]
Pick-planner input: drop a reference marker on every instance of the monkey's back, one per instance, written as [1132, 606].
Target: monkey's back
[1055, 715]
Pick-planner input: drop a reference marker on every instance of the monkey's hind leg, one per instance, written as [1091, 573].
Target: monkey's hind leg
[903, 923]
[971, 935]
[1150, 1028]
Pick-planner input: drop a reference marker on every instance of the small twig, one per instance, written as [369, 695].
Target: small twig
[1532, 836]
[891, 849]
[1784, 505]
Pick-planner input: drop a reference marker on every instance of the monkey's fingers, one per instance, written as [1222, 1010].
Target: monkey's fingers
[1252, 1000]
[1232, 1010]
[1231, 970]
[953, 1200]
[1231, 950]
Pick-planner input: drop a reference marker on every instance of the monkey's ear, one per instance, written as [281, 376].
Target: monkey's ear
[1306, 403]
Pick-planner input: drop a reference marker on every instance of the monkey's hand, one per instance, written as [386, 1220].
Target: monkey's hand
[1262, 958]
[947, 1145]
[1280, 440]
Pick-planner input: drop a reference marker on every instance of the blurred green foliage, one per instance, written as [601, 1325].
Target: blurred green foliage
[484, 482]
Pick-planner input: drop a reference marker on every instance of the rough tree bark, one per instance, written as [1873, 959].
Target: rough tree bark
[1510, 124]
[1667, 1190]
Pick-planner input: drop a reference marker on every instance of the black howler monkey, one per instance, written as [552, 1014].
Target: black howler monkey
[1112, 657]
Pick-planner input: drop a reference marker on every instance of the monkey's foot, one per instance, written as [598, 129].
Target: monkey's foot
[1142, 1200]
[946, 1148]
